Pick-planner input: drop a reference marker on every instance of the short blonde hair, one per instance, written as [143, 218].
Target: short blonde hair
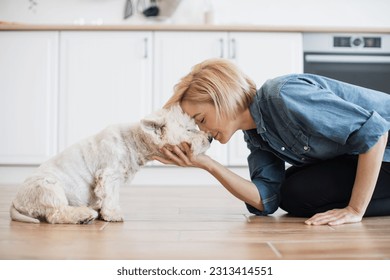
[218, 82]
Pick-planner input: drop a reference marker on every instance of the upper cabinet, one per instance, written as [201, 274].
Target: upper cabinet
[28, 96]
[105, 78]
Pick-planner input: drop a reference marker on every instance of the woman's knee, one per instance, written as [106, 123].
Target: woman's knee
[293, 200]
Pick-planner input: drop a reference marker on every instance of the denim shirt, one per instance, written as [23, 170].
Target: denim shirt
[302, 119]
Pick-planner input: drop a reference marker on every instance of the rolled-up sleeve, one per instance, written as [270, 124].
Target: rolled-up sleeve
[267, 173]
[369, 133]
[328, 115]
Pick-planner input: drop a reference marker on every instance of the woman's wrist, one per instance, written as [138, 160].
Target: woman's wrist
[357, 210]
[204, 162]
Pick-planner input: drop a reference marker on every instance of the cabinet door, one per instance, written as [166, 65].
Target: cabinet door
[175, 54]
[262, 56]
[28, 96]
[106, 78]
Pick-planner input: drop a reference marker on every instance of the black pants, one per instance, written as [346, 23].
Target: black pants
[328, 185]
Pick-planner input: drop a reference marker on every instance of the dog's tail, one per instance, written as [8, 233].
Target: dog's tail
[17, 216]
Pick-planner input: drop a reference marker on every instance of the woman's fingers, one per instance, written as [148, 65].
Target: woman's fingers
[320, 219]
[186, 148]
[335, 217]
[179, 155]
[172, 154]
[182, 156]
[163, 160]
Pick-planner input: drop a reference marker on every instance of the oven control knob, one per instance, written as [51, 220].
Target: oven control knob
[356, 42]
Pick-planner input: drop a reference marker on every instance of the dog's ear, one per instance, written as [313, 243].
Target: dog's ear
[154, 124]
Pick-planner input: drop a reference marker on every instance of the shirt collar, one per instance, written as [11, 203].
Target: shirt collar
[255, 111]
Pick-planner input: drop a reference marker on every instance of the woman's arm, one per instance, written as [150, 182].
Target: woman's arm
[367, 172]
[241, 188]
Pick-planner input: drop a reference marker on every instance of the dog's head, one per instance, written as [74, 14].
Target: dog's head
[172, 127]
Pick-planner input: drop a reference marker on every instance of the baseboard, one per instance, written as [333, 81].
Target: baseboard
[150, 175]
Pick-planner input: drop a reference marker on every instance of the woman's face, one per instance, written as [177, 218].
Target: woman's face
[206, 118]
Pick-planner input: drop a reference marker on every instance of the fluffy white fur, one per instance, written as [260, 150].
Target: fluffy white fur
[82, 182]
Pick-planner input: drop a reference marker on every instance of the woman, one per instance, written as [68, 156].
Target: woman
[334, 135]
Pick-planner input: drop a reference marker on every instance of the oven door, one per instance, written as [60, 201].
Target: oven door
[370, 71]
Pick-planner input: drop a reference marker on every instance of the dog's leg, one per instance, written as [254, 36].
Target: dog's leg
[46, 199]
[106, 190]
[71, 215]
[57, 209]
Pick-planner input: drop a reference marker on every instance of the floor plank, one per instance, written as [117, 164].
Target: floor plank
[190, 223]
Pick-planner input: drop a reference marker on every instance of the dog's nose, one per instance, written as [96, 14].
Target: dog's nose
[210, 139]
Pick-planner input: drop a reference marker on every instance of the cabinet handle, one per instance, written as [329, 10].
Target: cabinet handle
[221, 46]
[233, 48]
[146, 54]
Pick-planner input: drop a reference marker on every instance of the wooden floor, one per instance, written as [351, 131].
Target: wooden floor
[190, 223]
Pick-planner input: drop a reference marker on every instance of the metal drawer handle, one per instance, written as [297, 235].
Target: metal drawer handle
[233, 48]
[146, 54]
[221, 45]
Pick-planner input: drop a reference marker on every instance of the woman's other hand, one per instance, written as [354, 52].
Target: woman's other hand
[335, 217]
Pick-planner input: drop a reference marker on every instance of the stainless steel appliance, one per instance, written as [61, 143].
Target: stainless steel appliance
[360, 59]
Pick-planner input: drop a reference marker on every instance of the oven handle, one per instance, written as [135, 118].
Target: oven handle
[347, 58]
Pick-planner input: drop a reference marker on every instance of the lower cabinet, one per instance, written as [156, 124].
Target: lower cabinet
[105, 79]
[261, 55]
[28, 96]
[59, 87]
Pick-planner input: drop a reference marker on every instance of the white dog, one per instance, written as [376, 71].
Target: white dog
[83, 181]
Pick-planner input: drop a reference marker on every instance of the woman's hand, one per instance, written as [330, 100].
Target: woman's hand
[182, 156]
[335, 217]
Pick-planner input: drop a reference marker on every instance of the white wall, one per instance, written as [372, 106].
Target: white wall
[329, 13]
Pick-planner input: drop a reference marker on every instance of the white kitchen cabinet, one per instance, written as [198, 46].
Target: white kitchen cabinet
[260, 55]
[106, 78]
[175, 53]
[59, 87]
[28, 96]
[265, 55]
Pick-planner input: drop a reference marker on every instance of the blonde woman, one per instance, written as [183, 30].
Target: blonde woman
[335, 136]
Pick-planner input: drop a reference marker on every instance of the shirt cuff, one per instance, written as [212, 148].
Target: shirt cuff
[269, 198]
[369, 133]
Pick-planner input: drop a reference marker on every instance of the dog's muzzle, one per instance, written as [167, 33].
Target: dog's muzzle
[210, 139]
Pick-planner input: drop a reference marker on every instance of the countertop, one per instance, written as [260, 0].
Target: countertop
[190, 27]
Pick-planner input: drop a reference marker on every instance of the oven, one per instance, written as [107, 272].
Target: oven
[360, 59]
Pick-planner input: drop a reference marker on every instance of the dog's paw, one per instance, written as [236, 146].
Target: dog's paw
[87, 216]
[111, 215]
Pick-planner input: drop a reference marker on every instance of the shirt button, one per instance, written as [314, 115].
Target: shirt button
[306, 148]
[282, 148]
